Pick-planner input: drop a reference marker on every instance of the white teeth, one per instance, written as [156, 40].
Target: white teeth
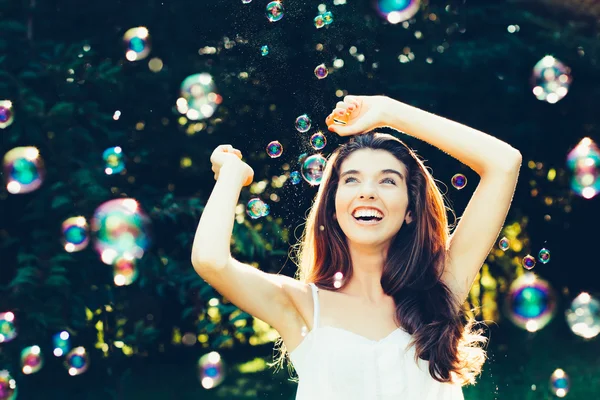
[363, 212]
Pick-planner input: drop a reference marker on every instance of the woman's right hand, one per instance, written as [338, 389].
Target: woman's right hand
[225, 154]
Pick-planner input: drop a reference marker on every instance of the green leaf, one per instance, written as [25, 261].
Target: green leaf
[25, 276]
[62, 109]
[241, 316]
[220, 340]
[26, 258]
[58, 281]
[59, 201]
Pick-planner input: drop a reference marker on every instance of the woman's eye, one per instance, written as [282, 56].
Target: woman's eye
[349, 179]
[393, 182]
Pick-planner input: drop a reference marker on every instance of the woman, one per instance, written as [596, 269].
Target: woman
[376, 313]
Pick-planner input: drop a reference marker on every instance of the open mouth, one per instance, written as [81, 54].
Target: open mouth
[368, 220]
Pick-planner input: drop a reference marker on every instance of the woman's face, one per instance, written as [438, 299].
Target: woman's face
[371, 200]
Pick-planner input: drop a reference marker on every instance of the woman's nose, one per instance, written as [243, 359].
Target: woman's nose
[367, 191]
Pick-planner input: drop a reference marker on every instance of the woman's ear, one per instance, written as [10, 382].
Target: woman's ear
[408, 218]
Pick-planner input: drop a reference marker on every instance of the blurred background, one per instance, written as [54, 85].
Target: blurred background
[110, 110]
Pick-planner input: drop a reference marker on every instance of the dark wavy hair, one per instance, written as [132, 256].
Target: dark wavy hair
[425, 306]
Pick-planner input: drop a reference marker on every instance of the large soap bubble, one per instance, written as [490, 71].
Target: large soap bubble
[584, 163]
[8, 386]
[199, 97]
[583, 317]
[137, 43]
[550, 79]
[395, 11]
[313, 168]
[211, 370]
[530, 303]
[23, 169]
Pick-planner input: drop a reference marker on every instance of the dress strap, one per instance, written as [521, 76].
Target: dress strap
[315, 289]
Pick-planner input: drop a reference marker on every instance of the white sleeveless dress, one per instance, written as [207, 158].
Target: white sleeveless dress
[336, 364]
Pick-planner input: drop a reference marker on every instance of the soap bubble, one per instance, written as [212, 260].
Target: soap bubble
[8, 331]
[256, 208]
[137, 43]
[31, 360]
[559, 383]
[61, 342]
[319, 21]
[246, 1]
[396, 11]
[125, 272]
[23, 169]
[8, 386]
[113, 159]
[327, 17]
[528, 262]
[504, 244]
[274, 11]
[211, 370]
[584, 163]
[550, 79]
[321, 71]
[6, 114]
[544, 256]
[122, 230]
[77, 361]
[459, 181]
[530, 303]
[583, 316]
[295, 177]
[318, 141]
[274, 149]
[303, 123]
[75, 234]
[264, 50]
[313, 168]
[199, 98]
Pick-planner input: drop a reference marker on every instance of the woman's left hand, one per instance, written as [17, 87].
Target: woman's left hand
[357, 114]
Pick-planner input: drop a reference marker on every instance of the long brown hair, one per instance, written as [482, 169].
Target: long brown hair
[412, 272]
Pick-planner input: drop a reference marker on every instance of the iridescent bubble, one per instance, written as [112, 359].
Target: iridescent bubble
[303, 123]
[75, 234]
[264, 50]
[61, 342]
[23, 169]
[504, 244]
[318, 141]
[321, 71]
[396, 11]
[559, 383]
[113, 159]
[584, 163]
[8, 386]
[274, 149]
[246, 1]
[31, 360]
[274, 11]
[199, 98]
[302, 157]
[256, 208]
[583, 316]
[313, 168]
[459, 181]
[8, 331]
[77, 361]
[6, 113]
[544, 256]
[528, 262]
[122, 230]
[211, 370]
[125, 272]
[550, 80]
[295, 177]
[327, 17]
[137, 43]
[319, 21]
[530, 303]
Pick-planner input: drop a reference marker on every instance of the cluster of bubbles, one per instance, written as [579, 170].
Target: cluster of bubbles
[23, 169]
[323, 19]
[584, 163]
[318, 141]
[312, 169]
[199, 98]
[77, 361]
[8, 331]
[459, 181]
[62, 343]
[137, 43]
[75, 234]
[256, 208]
[264, 50]
[303, 123]
[583, 316]
[395, 11]
[114, 160]
[274, 149]
[274, 11]
[550, 79]
[6, 113]
[559, 383]
[530, 302]
[211, 370]
[31, 360]
[321, 71]
[8, 386]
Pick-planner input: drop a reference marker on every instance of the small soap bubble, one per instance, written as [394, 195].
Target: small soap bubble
[211, 370]
[544, 256]
[8, 386]
[528, 262]
[504, 244]
[246, 1]
[327, 17]
[113, 159]
[200, 97]
[31, 360]
[338, 280]
[264, 50]
[8, 331]
[559, 383]
[583, 316]
[6, 113]
[313, 168]
[274, 149]
[530, 302]
[302, 157]
[274, 11]
[137, 43]
[397, 11]
[459, 181]
[125, 272]
[295, 177]
[319, 21]
[23, 170]
[321, 71]
[62, 343]
[318, 141]
[257, 208]
[77, 361]
[303, 123]
[75, 234]
[550, 79]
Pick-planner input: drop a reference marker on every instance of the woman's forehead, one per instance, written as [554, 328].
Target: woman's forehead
[369, 161]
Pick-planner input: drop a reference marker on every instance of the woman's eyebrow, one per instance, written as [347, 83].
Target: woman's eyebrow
[383, 171]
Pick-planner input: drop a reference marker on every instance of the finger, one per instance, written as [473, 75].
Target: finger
[352, 99]
[216, 177]
[238, 153]
[340, 111]
[329, 119]
[224, 147]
